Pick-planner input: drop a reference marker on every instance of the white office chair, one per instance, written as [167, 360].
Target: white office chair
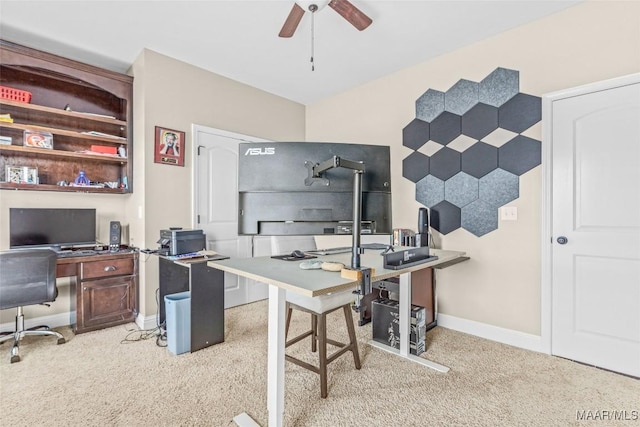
[318, 307]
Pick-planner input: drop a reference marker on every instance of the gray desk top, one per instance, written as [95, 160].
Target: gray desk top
[288, 274]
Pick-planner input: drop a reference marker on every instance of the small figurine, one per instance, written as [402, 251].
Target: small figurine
[82, 179]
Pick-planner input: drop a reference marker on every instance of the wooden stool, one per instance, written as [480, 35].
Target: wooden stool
[319, 307]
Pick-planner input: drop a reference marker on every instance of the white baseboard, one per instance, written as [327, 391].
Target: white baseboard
[146, 322]
[68, 318]
[493, 333]
[482, 330]
[53, 321]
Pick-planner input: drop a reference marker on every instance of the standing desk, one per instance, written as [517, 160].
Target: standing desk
[282, 276]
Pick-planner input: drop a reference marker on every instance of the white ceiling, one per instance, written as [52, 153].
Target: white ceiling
[239, 39]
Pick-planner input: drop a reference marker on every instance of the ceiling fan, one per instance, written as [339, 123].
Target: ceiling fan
[344, 8]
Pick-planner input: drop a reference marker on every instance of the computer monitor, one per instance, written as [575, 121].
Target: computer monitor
[51, 228]
[278, 194]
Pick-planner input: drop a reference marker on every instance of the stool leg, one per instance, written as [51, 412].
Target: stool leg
[352, 335]
[314, 333]
[322, 326]
[287, 322]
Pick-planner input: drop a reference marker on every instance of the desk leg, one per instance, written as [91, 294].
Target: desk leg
[275, 389]
[275, 362]
[405, 318]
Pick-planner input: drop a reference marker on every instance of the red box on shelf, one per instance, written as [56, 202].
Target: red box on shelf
[15, 94]
[104, 149]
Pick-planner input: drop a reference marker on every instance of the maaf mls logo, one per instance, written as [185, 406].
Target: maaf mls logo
[264, 151]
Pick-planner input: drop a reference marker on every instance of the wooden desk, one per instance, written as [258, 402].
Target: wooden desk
[105, 288]
[282, 276]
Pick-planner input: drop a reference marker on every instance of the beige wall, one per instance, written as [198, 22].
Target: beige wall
[175, 95]
[500, 285]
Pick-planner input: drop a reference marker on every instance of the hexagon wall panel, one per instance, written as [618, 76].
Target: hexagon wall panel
[430, 105]
[415, 167]
[463, 184]
[430, 191]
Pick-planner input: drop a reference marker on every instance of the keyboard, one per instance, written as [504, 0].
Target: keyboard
[187, 255]
[82, 252]
[346, 249]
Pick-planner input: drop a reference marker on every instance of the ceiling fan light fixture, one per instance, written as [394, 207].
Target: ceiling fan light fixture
[306, 4]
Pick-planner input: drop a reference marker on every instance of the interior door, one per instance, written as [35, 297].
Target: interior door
[216, 207]
[596, 228]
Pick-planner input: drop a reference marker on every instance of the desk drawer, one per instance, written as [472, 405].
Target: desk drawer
[106, 268]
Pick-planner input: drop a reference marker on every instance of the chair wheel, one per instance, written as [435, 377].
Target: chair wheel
[15, 358]
[61, 341]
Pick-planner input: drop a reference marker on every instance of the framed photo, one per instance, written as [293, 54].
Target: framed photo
[169, 147]
[22, 175]
[38, 139]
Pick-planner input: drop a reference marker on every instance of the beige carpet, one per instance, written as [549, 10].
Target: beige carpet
[96, 380]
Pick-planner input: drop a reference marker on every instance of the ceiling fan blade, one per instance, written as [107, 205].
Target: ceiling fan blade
[351, 13]
[292, 21]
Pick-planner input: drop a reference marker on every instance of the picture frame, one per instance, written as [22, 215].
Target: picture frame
[21, 175]
[169, 146]
[36, 139]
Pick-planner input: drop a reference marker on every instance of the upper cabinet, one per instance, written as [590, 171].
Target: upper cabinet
[64, 125]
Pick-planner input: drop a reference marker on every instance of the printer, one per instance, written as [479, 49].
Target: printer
[178, 241]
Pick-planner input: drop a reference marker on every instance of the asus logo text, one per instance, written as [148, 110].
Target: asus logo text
[260, 151]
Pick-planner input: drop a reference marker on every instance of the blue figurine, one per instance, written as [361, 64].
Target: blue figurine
[82, 179]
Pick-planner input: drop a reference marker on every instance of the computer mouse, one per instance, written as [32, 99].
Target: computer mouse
[297, 254]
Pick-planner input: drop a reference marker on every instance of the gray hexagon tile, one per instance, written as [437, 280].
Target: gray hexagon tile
[445, 217]
[461, 189]
[430, 191]
[430, 105]
[479, 159]
[415, 166]
[499, 86]
[461, 97]
[520, 155]
[480, 121]
[415, 134]
[479, 217]
[498, 187]
[520, 112]
[445, 163]
[446, 127]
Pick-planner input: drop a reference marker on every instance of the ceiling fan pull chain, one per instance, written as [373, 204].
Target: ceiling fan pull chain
[313, 14]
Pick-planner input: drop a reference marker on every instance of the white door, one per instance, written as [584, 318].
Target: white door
[596, 209]
[216, 206]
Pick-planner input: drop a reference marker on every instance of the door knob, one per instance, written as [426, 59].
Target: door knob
[562, 240]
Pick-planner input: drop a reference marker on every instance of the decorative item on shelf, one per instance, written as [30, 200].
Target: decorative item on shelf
[122, 152]
[13, 94]
[5, 140]
[169, 147]
[38, 139]
[22, 175]
[82, 179]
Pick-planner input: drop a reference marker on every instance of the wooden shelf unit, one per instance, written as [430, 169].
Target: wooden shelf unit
[68, 98]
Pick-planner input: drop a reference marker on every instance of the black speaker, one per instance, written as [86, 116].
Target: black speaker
[423, 220]
[422, 236]
[115, 233]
